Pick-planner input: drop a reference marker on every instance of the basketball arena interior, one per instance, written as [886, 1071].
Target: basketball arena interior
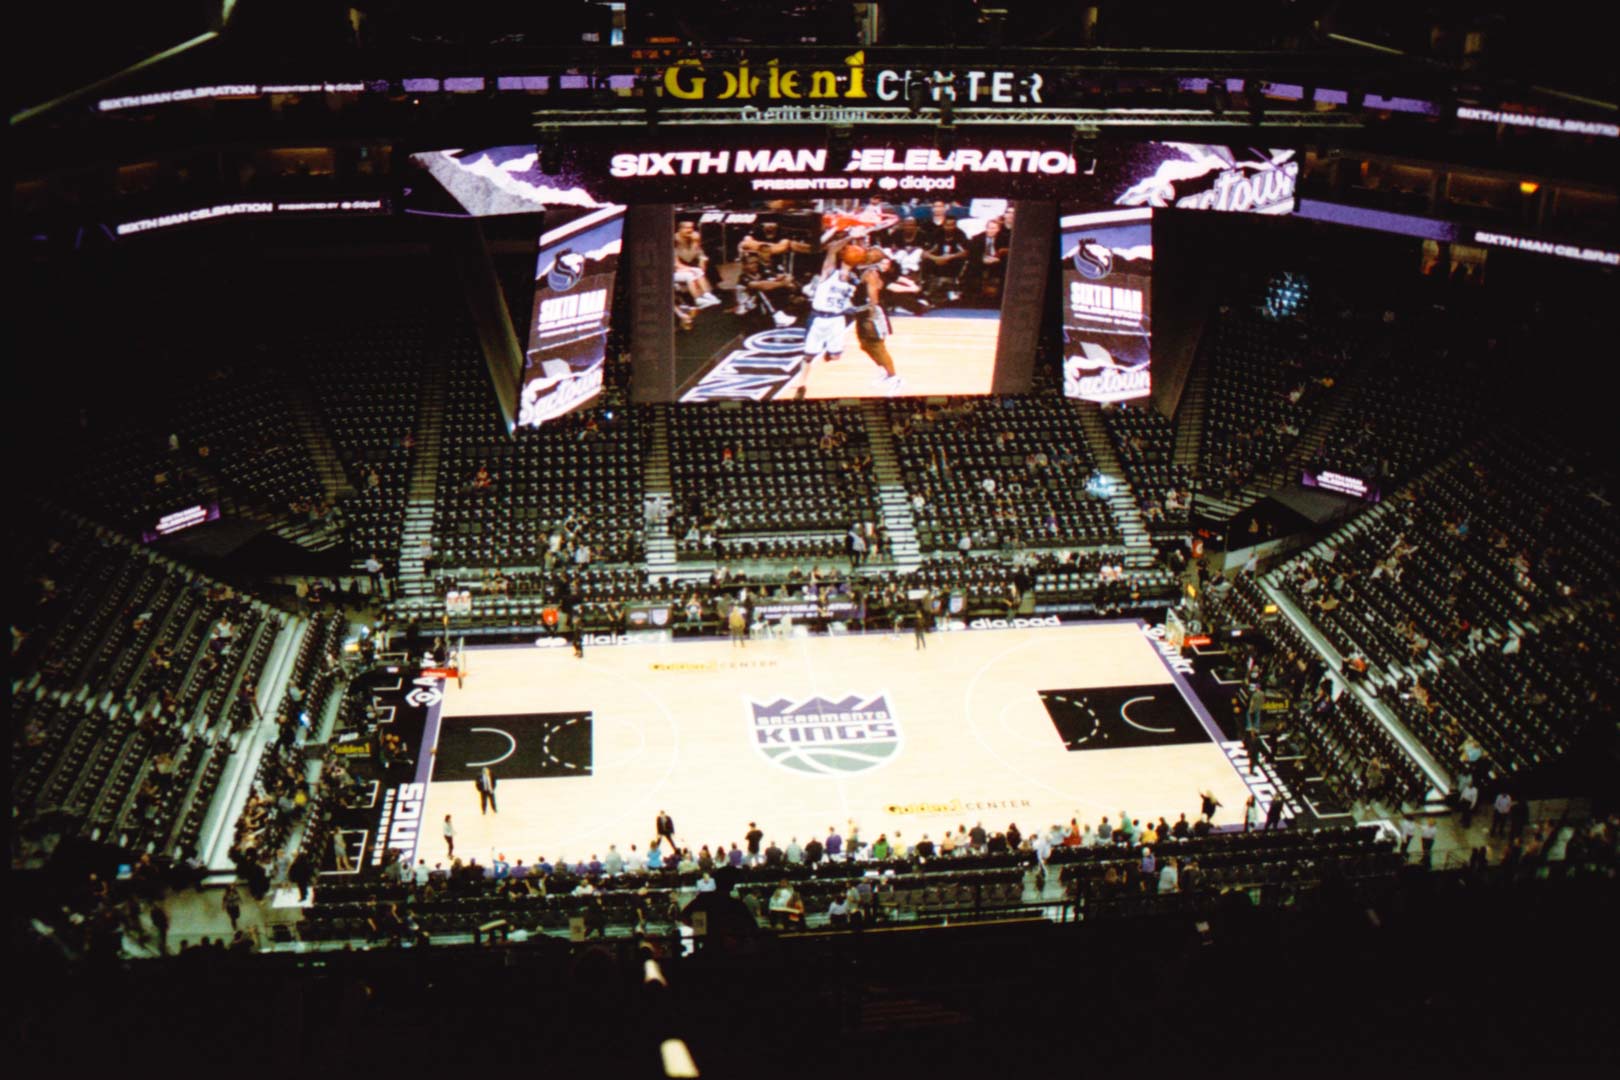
[743, 538]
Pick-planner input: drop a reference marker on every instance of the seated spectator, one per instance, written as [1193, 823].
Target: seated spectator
[786, 907]
[838, 911]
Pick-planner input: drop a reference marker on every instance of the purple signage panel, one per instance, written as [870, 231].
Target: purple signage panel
[1341, 484]
[180, 520]
[573, 309]
[1107, 249]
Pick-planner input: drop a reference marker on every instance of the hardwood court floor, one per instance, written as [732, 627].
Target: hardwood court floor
[935, 355]
[674, 727]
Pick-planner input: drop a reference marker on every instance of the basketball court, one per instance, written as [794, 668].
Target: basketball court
[946, 352]
[1033, 726]
[942, 352]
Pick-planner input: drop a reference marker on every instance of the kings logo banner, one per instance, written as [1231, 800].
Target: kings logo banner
[819, 737]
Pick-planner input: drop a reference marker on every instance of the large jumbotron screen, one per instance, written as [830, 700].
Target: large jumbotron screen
[798, 270]
[838, 298]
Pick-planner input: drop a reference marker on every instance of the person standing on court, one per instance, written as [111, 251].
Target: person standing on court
[664, 827]
[1210, 805]
[1274, 813]
[920, 624]
[486, 791]
[449, 838]
[738, 621]
[753, 836]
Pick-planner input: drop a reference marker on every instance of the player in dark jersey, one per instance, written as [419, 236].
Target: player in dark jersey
[872, 326]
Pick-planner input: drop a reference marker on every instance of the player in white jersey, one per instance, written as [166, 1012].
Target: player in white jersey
[830, 298]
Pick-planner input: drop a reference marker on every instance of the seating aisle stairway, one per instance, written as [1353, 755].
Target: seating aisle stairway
[1139, 551]
[415, 584]
[891, 491]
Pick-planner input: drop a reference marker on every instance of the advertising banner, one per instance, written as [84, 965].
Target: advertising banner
[773, 162]
[180, 520]
[573, 309]
[1341, 484]
[1107, 248]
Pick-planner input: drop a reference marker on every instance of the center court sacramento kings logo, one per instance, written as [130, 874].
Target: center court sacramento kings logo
[818, 737]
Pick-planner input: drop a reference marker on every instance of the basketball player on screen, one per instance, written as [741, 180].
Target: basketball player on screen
[830, 297]
[872, 327]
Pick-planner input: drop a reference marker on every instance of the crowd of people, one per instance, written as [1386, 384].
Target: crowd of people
[666, 854]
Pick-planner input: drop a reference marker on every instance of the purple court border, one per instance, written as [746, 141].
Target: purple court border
[430, 737]
[1188, 693]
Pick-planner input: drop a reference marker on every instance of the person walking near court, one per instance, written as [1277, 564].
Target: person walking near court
[232, 903]
[160, 923]
[921, 626]
[738, 622]
[1426, 836]
[1502, 807]
[449, 838]
[1468, 797]
[340, 853]
[486, 791]
[1274, 813]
